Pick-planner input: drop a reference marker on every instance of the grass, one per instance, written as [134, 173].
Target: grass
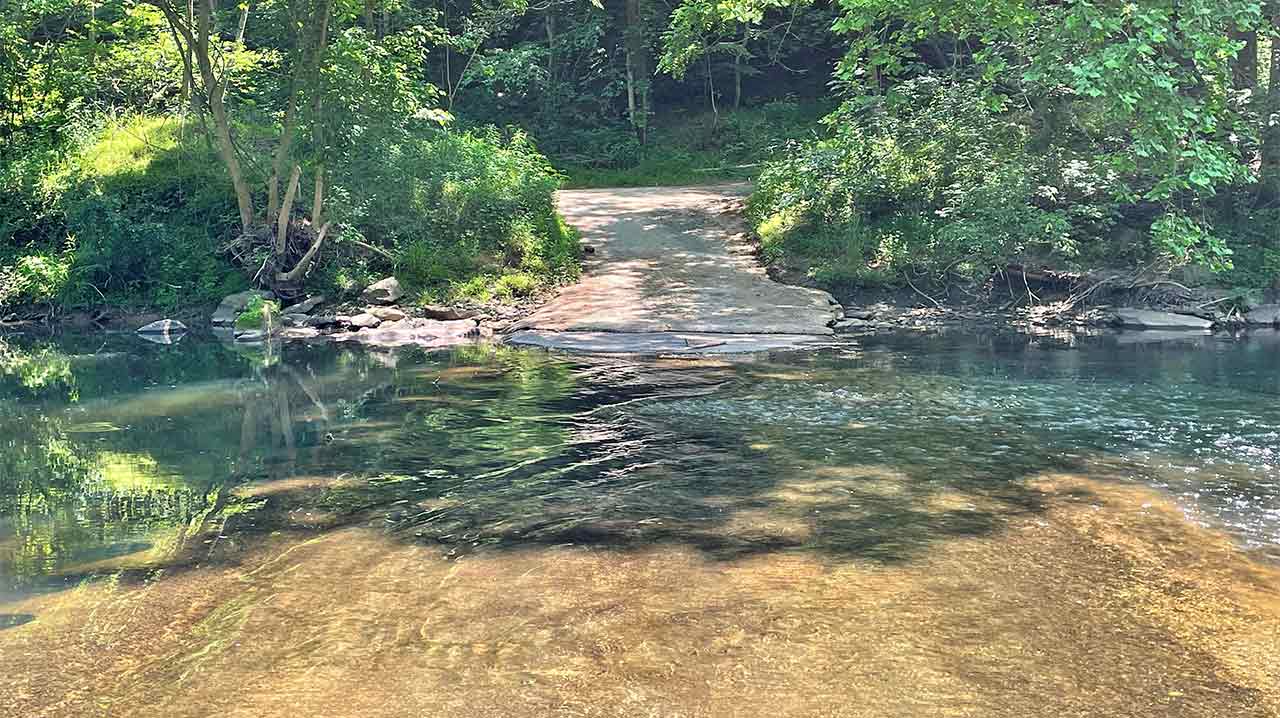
[693, 148]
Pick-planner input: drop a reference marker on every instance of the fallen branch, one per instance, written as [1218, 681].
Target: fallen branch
[372, 248]
[926, 296]
[300, 270]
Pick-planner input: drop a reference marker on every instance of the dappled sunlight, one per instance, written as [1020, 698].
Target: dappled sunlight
[864, 533]
[333, 623]
[670, 260]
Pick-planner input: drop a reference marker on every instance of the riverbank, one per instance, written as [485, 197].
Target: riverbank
[675, 270]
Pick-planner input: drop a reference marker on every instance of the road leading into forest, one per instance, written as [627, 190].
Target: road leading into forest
[672, 271]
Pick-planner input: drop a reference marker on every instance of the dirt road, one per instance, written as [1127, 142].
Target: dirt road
[671, 267]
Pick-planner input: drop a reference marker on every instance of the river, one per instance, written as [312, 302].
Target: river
[913, 525]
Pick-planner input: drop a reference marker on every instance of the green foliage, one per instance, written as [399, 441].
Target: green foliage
[1184, 241]
[454, 207]
[1132, 121]
[132, 216]
[927, 178]
[692, 149]
[34, 279]
[259, 313]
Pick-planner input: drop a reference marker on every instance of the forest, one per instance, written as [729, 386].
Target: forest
[162, 154]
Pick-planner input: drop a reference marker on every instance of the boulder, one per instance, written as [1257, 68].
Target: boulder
[1148, 319]
[847, 325]
[364, 320]
[164, 326]
[233, 305]
[299, 333]
[322, 320]
[295, 320]
[251, 336]
[443, 313]
[386, 314]
[306, 306]
[1267, 314]
[434, 328]
[862, 314]
[386, 291]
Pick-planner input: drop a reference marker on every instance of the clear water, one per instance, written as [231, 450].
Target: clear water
[608, 536]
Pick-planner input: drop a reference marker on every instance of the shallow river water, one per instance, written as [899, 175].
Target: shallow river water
[955, 525]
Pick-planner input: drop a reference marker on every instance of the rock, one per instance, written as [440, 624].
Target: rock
[164, 326]
[233, 305]
[434, 328]
[321, 321]
[306, 306]
[1267, 314]
[364, 320]
[386, 314]
[251, 336]
[295, 320]
[1148, 319]
[387, 291]
[415, 332]
[851, 324]
[437, 311]
[299, 333]
[862, 314]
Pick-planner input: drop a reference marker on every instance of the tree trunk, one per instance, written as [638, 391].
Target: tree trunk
[282, 153]
[286, 208]
[1270, 171]
[213, 90]
[244, 22]
[737, 81]
[317, 203]
[637, 61]
[1244, 68]
[711, 94]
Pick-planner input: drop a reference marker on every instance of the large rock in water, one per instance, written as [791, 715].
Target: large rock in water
[164, 326]
[165, 331]
[1267, 314]
[233, 305]
[1148, 319]
[387, 291]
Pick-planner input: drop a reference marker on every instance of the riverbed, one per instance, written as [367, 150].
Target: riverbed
[956, 524]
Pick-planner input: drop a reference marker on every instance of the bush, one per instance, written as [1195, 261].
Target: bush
[259, 313]
[133, 215]
[136, 213]
[34, 279]
[928, 178]
[454, 208]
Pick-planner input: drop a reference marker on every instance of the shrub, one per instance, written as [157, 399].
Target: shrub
[133, 214]
[457, 207]
[929, 178]
[34, 278]
[259, 313]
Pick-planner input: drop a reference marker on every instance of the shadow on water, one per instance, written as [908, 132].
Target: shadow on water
[13, 620]
[873, 454]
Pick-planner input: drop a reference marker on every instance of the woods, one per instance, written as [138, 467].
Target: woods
[160, 153]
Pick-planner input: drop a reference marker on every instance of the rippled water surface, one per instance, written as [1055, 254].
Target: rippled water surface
[923, 525]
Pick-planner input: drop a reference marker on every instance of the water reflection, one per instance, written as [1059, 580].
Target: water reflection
[513, 528]
[13, 620]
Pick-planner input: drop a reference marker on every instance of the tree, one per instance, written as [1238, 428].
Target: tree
[333, 78]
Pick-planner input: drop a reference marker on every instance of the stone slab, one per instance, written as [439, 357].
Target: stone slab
[652, 343]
